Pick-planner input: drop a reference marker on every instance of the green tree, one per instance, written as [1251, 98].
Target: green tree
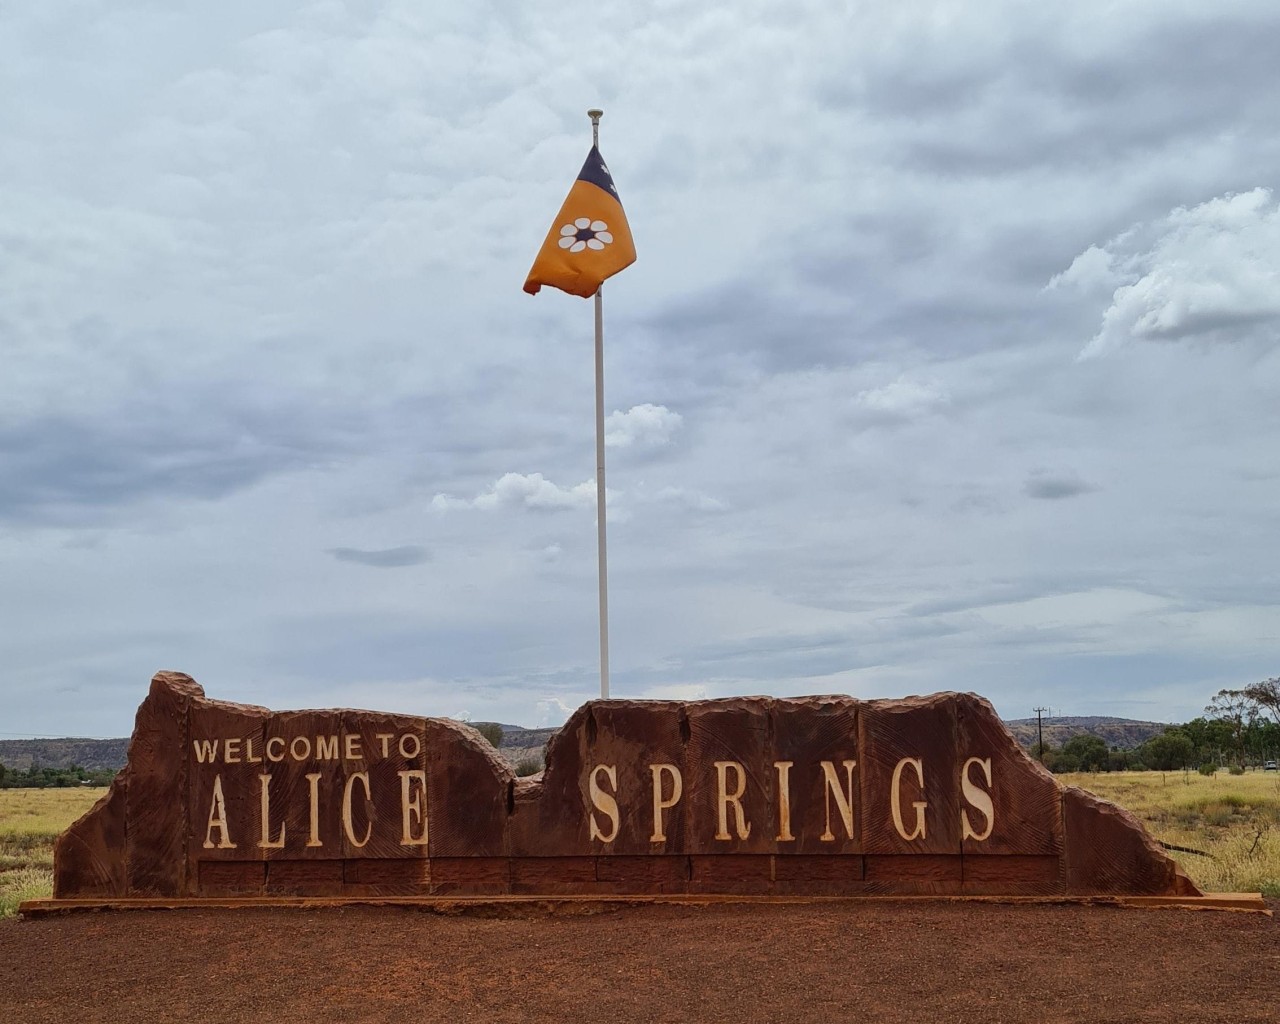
[1266, 697]
[1171, 749]
[1089, 752]
[491, 731]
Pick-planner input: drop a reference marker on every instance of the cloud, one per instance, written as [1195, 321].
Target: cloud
[694, 501]
[903, 397]
[650, 425]
[1052, 487]
[261, 268]
[383, 558]
[1210, 272]
[75, 467]
[521, 490]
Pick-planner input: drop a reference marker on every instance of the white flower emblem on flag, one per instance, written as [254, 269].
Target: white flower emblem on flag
[585, 233]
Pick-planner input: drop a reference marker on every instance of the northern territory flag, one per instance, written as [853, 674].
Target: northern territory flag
[589, 240]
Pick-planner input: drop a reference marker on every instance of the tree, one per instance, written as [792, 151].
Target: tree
[1088, 752]
[491, 731]
[1238, 711]
[1171, 749]
[1266, 697]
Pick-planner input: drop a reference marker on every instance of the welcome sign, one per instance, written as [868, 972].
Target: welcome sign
[805, 796]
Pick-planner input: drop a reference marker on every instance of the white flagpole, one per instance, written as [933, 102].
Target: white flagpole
[601, 548]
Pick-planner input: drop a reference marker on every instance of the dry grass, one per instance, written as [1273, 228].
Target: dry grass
[30, 820]
[1233, 818]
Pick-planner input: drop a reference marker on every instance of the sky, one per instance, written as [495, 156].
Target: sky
[949, 360]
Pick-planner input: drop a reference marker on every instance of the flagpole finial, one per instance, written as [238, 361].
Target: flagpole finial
[595, 113]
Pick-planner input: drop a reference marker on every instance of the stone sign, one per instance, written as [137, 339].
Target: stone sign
[753, 795]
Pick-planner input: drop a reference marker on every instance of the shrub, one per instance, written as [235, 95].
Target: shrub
[1236, 769]
[491, 731]
[1207, 769]
[528, 766]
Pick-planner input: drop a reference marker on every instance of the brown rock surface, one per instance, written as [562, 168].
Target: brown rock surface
[754, 795]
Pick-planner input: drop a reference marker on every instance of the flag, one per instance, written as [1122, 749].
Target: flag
[589, 239]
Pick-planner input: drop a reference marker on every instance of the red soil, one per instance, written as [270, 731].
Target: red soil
[881, 961]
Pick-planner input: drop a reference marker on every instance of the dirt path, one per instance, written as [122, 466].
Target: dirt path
[875, 962]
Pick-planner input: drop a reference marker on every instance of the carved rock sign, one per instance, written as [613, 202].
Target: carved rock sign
[756, 795]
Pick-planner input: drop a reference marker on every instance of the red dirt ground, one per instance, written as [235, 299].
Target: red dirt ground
[896, 962]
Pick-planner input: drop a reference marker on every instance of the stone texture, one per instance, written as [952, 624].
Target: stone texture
[155, 838]
[363, 803]
[919, 729]
[89, 858]
[1109, 852]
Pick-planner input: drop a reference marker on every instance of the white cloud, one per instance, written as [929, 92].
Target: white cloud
[261, 268]
[1211, 272]
[647, 425]
[554, 710]
[692, 500]
[524, 490]
[904, 397]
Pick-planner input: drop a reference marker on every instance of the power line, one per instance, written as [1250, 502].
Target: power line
[1040, 729]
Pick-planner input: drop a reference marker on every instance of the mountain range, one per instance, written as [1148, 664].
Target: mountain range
[519, 742]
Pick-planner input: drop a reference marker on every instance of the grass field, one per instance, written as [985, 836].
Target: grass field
[1235, 819]
[30, 820]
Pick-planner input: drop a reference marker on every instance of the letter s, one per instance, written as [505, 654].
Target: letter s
[978, 799]
[604, 802]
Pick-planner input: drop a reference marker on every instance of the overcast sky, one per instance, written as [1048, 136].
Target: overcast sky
[949, 360]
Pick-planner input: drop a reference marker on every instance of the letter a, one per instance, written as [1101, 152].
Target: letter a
[218, 819]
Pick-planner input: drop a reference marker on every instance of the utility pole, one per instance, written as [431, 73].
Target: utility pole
[1040, 730]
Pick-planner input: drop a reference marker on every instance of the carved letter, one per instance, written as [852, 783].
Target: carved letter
[248, 752]
[411, 804]
[844, 798]
[385, 737]
[346, 808]
[602, 801]
[280, 748]
[314, 780]
[895, 800]
[979, 799]
[351, 746]
[326, 748]
[218, 819]
[267, 843]
[405, 751]
[743, 827]
[784, 801]
[306, 748]
[231, 751]
[206, 750]
[659, 803]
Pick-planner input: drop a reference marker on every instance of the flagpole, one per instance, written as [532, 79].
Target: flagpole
[602, 557]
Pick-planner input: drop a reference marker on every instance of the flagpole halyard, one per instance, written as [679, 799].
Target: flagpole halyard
[602, 557]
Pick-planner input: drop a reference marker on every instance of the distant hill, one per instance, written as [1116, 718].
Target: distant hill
[1125, 733]
[518, 742]
[63, 753]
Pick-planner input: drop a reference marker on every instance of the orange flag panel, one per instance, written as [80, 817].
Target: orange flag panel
[589, 240]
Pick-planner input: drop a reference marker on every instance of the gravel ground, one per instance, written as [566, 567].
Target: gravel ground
[917, 962]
